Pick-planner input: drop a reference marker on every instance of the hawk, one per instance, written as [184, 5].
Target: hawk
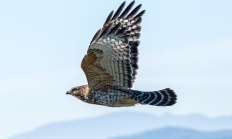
[111, 64]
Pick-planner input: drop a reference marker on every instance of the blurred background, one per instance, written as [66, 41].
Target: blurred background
[185, 45]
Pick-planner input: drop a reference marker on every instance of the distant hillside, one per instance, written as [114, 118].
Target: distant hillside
[121, 124]
[180, 133]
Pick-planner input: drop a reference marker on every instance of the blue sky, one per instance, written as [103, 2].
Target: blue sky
[185, 45]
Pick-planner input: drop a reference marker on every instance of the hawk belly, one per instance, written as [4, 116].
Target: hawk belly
[111, 98]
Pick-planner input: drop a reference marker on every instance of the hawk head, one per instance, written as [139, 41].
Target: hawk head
[80, 92]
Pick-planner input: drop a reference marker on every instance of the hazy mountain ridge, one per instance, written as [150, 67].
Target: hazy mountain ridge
[124, 123]
[180, 133]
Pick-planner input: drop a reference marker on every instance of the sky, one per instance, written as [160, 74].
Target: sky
[185, 45]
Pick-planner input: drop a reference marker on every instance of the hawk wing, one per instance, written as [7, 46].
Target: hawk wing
[112, 57]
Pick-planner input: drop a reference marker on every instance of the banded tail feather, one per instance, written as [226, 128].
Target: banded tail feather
[165, 97]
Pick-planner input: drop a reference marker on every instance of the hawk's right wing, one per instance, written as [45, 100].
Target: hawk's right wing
[111, 60]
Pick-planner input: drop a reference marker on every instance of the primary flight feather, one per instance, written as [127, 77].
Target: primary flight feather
[111, 64]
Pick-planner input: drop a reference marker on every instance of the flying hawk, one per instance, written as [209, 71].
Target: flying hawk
[111, 64]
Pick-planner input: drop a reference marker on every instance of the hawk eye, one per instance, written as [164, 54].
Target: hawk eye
[74, 89]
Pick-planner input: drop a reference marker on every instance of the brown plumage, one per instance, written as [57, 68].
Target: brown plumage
[111, 64]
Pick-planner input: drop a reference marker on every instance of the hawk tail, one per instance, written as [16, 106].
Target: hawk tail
[165, 97]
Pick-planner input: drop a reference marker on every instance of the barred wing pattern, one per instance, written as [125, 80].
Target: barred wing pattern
[112, 58]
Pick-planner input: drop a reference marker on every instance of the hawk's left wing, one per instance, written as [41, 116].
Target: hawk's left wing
[111, 60]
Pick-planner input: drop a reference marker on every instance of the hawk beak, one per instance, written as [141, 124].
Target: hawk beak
[67, 93]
